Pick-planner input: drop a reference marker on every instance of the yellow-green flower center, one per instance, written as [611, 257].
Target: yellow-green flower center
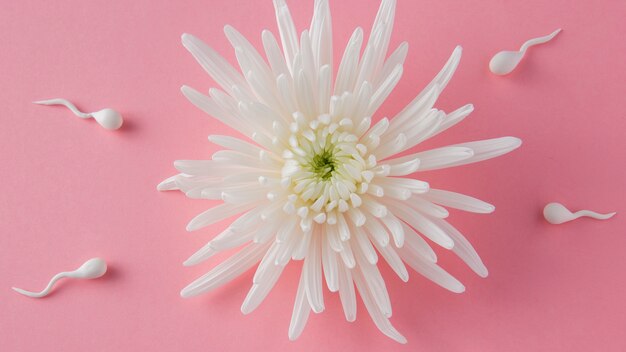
[323, 164]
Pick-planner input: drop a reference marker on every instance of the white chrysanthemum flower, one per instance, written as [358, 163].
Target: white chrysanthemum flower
[318, 181]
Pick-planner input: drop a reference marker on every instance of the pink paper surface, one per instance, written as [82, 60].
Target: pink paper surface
[72, 190]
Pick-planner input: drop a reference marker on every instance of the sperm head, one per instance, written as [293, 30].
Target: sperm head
[93, 268]
[108, 118]
[504, 62]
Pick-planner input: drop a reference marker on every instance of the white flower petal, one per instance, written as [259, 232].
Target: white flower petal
[312, 271]
[384, 89]
[446, 73]
[321, 34]
[395, 227]
[347, 293]
[377, 232]
[374, 282]
[302, 247]
[396, 58]
[453, 118]
[381, 321]
[287, 30]
[232, 239]
[421, 224]
[420, 131]
[236, 144]
[393, 259]
[413, 113]
[437, 158]
[259, 291]
[431, 271]
[265, 278]
[463, 248]
[365, 246]
[273, 54]
[458, 201]
[489, 148]
[422, 205]
[324, 89]
[169, 184]
[227, 270]
[346, 75]
[217, 214]
[301, 308]
[256, 62]
[211, 107]
[213, 63]
[347, 255]
[329, 263]
[415, 186]
[206, 252]
[404, 168]
[416, 244]
[384, 24]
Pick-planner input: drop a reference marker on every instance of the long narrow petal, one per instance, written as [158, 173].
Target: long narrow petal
[347, 293]
[415, 243]
[266, 276]
[214, 64]
[169, 184]
[321, 34]
[349, 62]
[446, 73]
[216, 214]
[463, 248]
[329, 263]
[458, 201]
[227, 270]
[374, 281]
[396, 58]
[437, 158]
[393, 259]
[421, 223]
[487, 149]
[259, 291]
[381, 321]
[312, 271]
[431, 271]
[209, 106]
[301, 311]
[287, 30]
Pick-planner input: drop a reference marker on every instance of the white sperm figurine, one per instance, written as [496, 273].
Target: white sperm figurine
[91, 269]
[557, 213]
[505, 62]
[107, 118]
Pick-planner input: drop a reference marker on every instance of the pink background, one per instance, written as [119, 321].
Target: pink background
[71, 190]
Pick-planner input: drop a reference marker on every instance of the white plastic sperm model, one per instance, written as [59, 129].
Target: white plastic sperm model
[557, 213]
[505, 62]
[107, 118]
[91, 269]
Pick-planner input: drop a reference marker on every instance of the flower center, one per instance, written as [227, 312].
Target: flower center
[326, 170]
[323, 164]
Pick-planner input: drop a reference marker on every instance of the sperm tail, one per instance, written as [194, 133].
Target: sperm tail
[539, 40]
[65, 103]
[593, 214]
[45, 291]
[29, 293]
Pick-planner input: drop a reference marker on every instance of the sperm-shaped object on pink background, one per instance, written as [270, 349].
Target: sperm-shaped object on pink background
[91, 269]
[557, 213]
